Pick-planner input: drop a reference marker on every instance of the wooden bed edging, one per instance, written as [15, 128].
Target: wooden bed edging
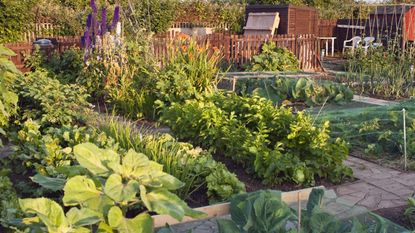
[224, 208]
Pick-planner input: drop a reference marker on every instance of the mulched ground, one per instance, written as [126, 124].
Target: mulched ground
[397, 216]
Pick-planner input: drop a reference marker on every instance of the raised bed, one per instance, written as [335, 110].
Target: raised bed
[292, 197]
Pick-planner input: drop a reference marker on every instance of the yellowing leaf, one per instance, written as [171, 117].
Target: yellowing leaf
[142, 223]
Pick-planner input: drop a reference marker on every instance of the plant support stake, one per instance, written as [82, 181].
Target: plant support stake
[404, 137]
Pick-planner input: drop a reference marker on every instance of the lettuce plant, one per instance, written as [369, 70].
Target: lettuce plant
[112, 186]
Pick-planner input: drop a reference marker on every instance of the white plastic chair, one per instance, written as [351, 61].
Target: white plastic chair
[368, 43]
[355, 42]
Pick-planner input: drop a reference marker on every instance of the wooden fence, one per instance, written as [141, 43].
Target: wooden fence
[239, 49]
[22, 50]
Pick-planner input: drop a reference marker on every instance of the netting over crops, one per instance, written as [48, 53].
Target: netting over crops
[377, 130]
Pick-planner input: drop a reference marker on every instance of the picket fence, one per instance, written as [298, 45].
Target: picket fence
[238, 50]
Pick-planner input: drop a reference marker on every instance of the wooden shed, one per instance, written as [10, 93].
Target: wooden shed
[294, 20]
[392, 21]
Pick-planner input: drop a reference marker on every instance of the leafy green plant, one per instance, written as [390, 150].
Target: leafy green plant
[410, 211]
[272, 58]
[296, 90]
[260, 211]
[45, 152]
[189, 71]
[8, 99]
[264, 211]
[67, 67]
[113, 185]
[47, 100]
[9, 206]
[194, 166]
[276, 144]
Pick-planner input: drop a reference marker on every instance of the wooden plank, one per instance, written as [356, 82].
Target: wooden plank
[224, 208]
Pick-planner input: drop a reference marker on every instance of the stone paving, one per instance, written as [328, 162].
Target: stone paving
[377, 187]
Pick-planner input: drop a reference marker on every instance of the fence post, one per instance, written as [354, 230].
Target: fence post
[404, 137]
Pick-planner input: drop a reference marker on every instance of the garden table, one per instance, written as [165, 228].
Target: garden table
[327, 39]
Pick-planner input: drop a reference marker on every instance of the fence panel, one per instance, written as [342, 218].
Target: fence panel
[239, 49]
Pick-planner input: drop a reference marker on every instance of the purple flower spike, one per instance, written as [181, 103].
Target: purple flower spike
[87, 39]
[89, 21]
[116, 17]
[93, 6]
[95, 25]
[103, 21]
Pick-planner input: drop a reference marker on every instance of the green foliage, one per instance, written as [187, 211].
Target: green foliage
[48, 151]
[67, 67]
[264, 211]
[132, 95]
[194, 166]
[9, 206]
[189, 71]
[410, 211]
[260, 211]
[296, 90]
[47, 100]
[276, 144]
[231, 13]
[272, 58]
[381, 72]
[8, 99]
[222, 184]
[153, 15]
[114, 184]
[14, 16]
[378, 130]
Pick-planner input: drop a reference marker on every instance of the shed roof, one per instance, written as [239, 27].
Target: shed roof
[389, 10]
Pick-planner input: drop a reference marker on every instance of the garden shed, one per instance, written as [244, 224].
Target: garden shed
[294, 20]
[392, 21]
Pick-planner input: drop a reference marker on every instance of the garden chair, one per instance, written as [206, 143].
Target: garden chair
[355, 42]
[368, 42]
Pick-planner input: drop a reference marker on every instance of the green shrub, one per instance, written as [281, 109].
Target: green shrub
[272, 58]
[14, 18]
[272, 142]
[67, 67]
[47, 100]
[153, 15]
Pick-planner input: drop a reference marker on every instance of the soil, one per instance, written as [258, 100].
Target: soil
[396, 215]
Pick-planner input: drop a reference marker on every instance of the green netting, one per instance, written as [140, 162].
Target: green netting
[376, 130]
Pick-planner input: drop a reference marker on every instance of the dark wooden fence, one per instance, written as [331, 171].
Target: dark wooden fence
[239, 49]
